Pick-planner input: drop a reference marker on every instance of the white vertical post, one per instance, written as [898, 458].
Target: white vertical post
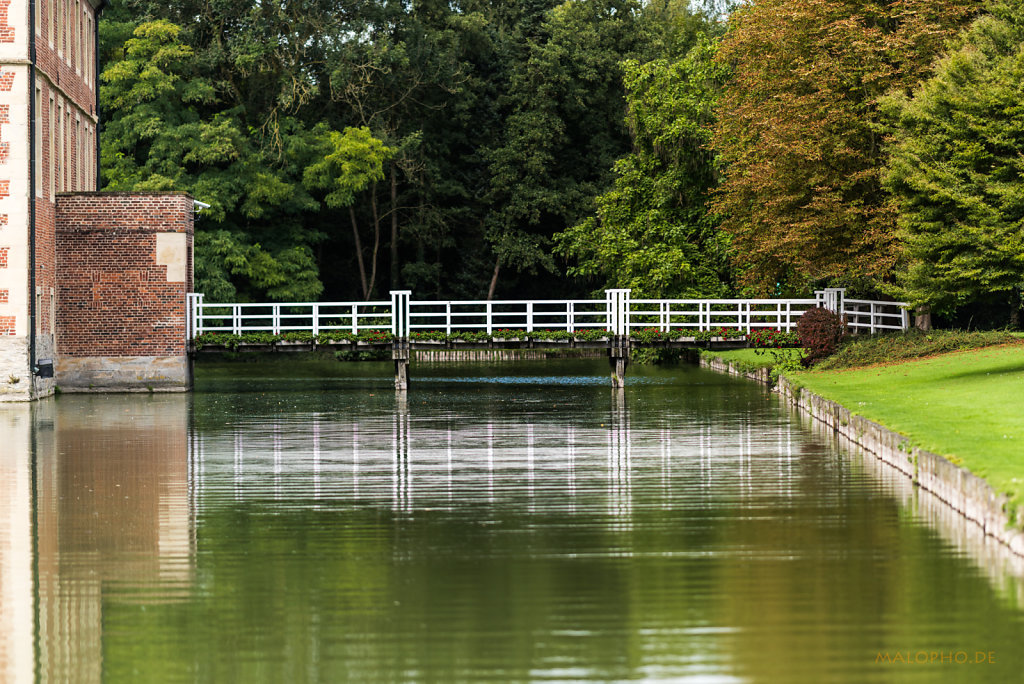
[701, 316]
[872, 318]
[448, 318]
[275, 319]
[904, 318]
[833, 299]
[570, 315]
[195, 316]
[617, 305]
[400, 313]
[789, 316]
[529, 316]
[236, 319]
[490, 321]
[626, 323]
[355, 319]
[609, 311]
[663, 315]
[316, 319]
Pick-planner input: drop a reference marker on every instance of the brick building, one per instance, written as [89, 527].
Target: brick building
[92, 286]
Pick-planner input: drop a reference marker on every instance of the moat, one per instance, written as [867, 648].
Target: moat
[300, 521]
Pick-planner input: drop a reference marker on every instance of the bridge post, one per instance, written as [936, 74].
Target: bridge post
[618, 326]
[618, 359]
[400, 334]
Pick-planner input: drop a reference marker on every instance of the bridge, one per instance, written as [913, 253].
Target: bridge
[617, 323]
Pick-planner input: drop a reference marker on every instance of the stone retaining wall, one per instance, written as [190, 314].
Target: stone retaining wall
[968, 494]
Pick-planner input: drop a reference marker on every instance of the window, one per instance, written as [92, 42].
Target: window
[52, 130]
[58, 158]
[78, 36]
[68, 162]
[38, 142]
[78, 155]
[89, 61]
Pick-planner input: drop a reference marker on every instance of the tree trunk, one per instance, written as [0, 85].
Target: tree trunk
[494, 279]
[394, 228]
[376, 239]
[359, 253]
[923, 317]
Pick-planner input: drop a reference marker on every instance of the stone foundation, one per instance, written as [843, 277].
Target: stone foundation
[123, 374]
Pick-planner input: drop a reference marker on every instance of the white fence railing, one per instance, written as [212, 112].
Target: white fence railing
[617, 313]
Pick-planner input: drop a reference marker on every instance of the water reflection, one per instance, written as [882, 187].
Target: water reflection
[682, 529]
[99, 496]
[17, 618]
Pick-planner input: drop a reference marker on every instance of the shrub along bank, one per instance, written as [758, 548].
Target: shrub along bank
[958, 395]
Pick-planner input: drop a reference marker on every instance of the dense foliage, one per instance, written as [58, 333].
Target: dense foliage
[351, 147]
[652, 231]
[798, 131]
[483, 148]
[957, 170]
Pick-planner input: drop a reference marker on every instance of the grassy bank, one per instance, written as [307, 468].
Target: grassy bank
[745, 360]
[965, 405]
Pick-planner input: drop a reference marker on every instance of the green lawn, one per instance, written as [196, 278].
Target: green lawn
[743, 359]
[967, 406]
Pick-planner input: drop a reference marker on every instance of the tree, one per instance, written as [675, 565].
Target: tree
[652, 231]
[563, 127]
[354, 160]
[798, 131]
[164, 131]
[957, 168]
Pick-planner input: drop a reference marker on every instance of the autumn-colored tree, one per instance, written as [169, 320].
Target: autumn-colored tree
[799, 135]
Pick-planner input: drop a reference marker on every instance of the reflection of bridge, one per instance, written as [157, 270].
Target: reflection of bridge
[405, 462]
[616, 323]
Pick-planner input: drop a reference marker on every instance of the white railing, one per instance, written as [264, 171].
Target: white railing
[315, 317]
[617, 313]
[863, 314]
[705, 314]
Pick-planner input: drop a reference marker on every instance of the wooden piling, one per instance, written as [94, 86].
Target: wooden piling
[400, 355]
[618, 359]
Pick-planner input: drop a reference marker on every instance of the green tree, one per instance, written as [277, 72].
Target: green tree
[353, 161]
[563, 129]
[957, 168]
[798, 132]
[159, 135]
[652, 231]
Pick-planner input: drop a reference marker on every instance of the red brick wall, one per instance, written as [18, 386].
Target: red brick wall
[59, 60]
[113, 299]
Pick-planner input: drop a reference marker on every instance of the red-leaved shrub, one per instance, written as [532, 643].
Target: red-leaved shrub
[820, 332]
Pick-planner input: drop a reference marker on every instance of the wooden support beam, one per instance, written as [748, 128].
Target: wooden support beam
[400, 354]
[618, 359]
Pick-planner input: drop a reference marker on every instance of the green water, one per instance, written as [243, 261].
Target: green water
[299, 522]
